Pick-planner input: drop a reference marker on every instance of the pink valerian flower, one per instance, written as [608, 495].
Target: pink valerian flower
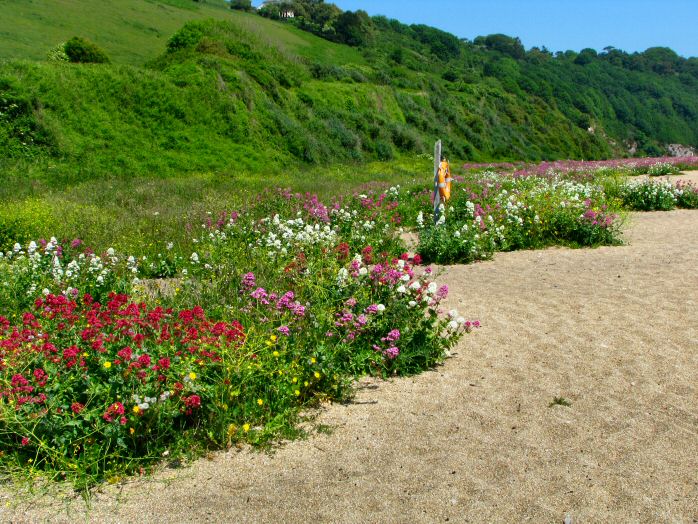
[284, 330]
[248, 280]
[25, 441]
[393, 336]
[351, 302]
[261, 295]
[286, 301]
[344, 318]
[372, 309]
[361, 320]
[442, 292]
[392, 352]
[298, 310]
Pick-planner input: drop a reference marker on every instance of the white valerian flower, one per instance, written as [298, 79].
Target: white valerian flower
[363, 271]
[405, 278]
[453, 313]
[460, 321]
[431, 289]
[194, 257]
[420, 219]
[412, 303]
[452, 325]
[169, 246]
[110, 251]
[415, 285]
[380, 308]
[401, 289]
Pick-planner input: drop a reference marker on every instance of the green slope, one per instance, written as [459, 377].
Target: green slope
[235, 93]
[131, 31]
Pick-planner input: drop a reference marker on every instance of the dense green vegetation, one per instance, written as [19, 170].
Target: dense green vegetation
[246, 96]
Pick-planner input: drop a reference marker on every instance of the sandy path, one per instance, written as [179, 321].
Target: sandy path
[614, 330]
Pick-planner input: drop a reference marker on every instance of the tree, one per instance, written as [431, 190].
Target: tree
[80, 50]
[241, 5]
[504, 44]
[586, 56]
[353, 28]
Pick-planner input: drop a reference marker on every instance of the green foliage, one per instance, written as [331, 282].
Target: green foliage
[489, 213]
[107, 384]
[80, 50]
[57, 54]
[649, 196]
[353, 28]
[503, 44]
[241, 5]
[250, 95]
[23, 221]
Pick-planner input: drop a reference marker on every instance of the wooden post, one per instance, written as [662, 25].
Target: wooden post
[437, 197]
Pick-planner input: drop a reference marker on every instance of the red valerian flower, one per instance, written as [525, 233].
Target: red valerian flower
[125, 353]
[117, 408]
[77, 407]
[192, 401]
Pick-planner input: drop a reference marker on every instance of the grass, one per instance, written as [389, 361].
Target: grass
[134, 213]
[560, 401]
[131, 31]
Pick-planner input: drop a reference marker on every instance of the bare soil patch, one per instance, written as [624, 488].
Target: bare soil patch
[613, 330]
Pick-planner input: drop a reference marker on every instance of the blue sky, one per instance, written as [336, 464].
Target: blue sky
[631, 25]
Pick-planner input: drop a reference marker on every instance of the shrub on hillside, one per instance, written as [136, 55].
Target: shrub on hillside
[241, 5]
[57, 54]
[83, 51]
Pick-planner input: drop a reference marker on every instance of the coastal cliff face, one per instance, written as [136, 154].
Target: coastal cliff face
[680, 150]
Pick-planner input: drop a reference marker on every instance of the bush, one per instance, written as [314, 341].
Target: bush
[649, 196]
[102, 384]
[686, 195]
[58, 54]
[241, 5]
[662, 169]
[83, 51]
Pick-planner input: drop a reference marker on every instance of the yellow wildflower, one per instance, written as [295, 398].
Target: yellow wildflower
[297, 392]
[312, 360]
[132, 431]
[273, 338]
[245, 427]
[192, 376]
[317, 374]
[295, 379]
[136, 410]
[260, 401]
[107, 364]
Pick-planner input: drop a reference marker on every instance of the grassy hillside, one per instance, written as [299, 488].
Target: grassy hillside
[240, 95]
[131, 31]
